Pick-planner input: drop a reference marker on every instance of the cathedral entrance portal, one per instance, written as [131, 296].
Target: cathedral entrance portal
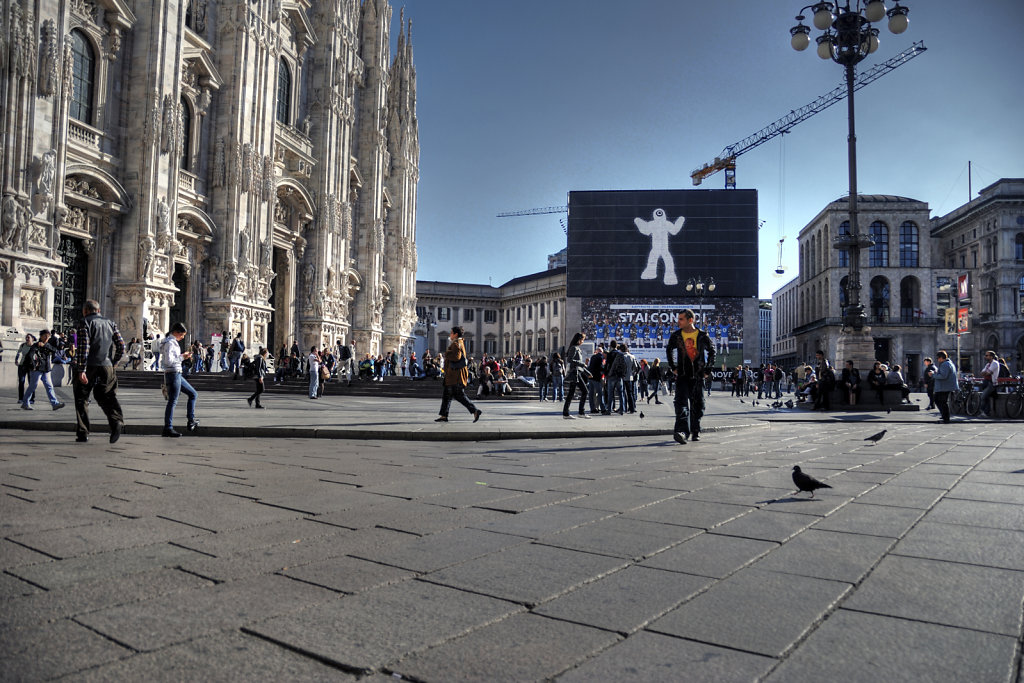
[179, 311]
[69, 295]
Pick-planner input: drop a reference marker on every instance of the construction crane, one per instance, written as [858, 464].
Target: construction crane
[726, 161]
[534, 212]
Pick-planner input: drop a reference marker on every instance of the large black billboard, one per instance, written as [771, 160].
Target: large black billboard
[644, 243]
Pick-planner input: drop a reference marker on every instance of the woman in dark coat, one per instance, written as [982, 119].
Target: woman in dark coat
[456, 377]
[576, 374]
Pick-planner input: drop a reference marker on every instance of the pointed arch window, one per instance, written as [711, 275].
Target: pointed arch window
[83, 73]
[284, 93]
[908, 245]
[878, 257]
[186, 136]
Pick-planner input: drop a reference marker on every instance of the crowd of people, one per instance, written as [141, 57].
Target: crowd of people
[610, 380]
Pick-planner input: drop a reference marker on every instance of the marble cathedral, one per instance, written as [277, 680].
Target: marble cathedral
[240, 165]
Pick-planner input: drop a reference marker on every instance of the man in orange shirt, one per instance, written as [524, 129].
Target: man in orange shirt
[696, 357]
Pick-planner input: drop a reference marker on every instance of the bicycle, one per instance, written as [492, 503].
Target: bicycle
[965, 400]
[1015, 400]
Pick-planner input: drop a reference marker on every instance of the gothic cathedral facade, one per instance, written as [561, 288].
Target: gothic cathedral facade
[247, 166]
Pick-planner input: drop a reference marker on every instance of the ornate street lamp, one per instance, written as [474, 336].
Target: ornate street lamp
[848, 37]
[701, 286]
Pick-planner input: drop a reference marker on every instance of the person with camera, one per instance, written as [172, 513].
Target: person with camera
[38, 361]
[171, 358]
[456, 377]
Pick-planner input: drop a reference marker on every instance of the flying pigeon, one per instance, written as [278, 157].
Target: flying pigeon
[877, 437]
[805, 482]
[742, 401]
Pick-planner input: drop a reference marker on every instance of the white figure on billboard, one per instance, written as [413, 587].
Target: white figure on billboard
[659, 229]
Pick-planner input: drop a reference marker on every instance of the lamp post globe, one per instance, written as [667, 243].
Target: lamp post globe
[847, 38]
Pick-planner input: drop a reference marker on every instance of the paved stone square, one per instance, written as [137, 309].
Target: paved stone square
[588, 557]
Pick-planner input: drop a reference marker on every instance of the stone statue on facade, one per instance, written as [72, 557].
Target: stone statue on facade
[147, 249]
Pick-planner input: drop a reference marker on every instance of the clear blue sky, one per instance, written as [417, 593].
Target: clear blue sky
[521, 102]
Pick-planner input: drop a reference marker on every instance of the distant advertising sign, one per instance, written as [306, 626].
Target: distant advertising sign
[644, 325]
[963, 288]
[649, 243]
[962, 319]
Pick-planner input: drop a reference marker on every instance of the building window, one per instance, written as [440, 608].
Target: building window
[529, 312]
[878, 256]
[844, 254]
[467, 315]
[908, 245]
[554, 308]
[444, 314]
[83, 72]
[974, 258]
[519, 315]
[506, 347]
[470, 345]
[1018, 247]
[910, 297]
[541, 343]
[554, 335]
[490, 346]
[284, 94]
[879, 299]
[490, 316]
[507, 319]
[186, 136]
[1020, 296]
[542, 310]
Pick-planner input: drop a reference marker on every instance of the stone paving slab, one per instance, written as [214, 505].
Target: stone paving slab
[828, 555]
[978, 513]
[864, 648]
[128, 561]
[531, 648]
[710, 554]
[754, 611]
[47, 652]
[655, 658]
[626, 600]
[949, 593]
[156, 623]
[89, 596]
[225, 659]
[527, 574]
[366, 631]
[957, 543]
[872, 520]
[621, 537]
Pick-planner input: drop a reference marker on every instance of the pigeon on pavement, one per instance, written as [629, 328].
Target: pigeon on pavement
[877, 437]
[789, 403]
[805, 482]
[641, 414]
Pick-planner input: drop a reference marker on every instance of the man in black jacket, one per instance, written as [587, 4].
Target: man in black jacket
[696, 357]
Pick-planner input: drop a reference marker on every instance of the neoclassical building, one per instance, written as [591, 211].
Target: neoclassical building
[246, 165]
[909, 277]
[525, 315]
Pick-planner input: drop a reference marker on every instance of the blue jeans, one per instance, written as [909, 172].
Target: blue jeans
[235, 360]
[176, 384]
[558, 387]
[33, 381]
[596, 396]
[615, 392]
[314, 382]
